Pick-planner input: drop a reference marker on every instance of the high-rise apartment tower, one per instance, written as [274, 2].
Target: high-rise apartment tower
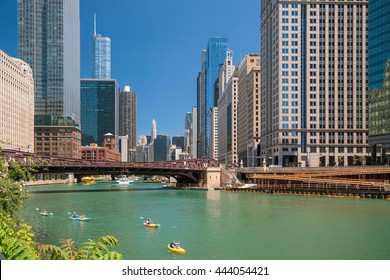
[128, 115]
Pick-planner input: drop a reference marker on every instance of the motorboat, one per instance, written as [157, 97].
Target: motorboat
[124, 181]
[88, 180]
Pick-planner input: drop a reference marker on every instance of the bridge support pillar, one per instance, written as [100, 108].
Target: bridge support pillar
[213, 178]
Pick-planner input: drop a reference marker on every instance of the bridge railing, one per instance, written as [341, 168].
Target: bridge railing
[33, 159]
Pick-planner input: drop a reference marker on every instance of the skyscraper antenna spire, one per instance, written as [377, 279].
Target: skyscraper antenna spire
[94, 24]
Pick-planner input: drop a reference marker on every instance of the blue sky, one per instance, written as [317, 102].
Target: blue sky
[156, 47]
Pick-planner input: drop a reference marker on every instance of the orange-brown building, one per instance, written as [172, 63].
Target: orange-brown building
[105, 153]
[58, 136]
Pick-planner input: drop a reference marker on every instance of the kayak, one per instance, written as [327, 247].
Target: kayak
[151, 225]
[179, 250]
[45, 214]
[80, 219]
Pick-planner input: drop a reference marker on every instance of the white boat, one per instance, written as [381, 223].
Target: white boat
[124, 181]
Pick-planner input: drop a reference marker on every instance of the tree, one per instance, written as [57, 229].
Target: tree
[12, 192]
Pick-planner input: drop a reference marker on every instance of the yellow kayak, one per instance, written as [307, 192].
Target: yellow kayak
[179, 250]
[151, 225]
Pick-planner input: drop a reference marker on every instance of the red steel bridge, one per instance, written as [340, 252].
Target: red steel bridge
[184, 171]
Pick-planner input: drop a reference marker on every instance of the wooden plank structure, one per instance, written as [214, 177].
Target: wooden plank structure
[356, 182]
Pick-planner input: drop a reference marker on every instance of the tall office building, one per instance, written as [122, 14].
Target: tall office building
[128, 116]
[248, 110]
[187, 131]
[187, 120]
[17, 104]
[49, 41]
[154, 131]
[178, 141]
[100, 55]
[314, 82]
[378, 62]
[207, 91]
[194, 135]
[99, 110]
[227, 121]
[161, 148]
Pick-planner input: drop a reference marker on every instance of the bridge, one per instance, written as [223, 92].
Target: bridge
[195, 172]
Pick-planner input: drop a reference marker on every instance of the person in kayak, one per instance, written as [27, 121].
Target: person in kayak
[174, 244]
[74, 215]
[44, 212]
[149, 221]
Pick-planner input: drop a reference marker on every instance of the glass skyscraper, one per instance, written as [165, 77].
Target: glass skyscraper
[378, 41]
[161, 148]
[100, 56]
[378, 81]
[49, 40]
[99, 110]
[212, 59]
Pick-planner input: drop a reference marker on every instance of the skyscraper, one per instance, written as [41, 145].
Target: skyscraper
[100, 55]
[128, 115]
[161, 148]
[178, 141]
[194, 136]
[314, 82]
[379, 67]
[248, 110]
[154, 131]
[49, 41]
[207, 92]
[99, 110]
[187, 131]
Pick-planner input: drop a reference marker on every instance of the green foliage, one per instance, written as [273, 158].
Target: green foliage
[16, 241]
[12, 192]
[19, 171]
[12, 195]
[98, 249]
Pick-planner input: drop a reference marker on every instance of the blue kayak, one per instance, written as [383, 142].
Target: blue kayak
[79, 218]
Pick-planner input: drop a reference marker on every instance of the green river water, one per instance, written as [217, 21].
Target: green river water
[213, 225]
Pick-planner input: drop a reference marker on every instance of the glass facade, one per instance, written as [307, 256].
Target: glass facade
[100, 57]
[161, 148]
[379, 77]
[379, 122]
[49, 40]
[212, 59]
[378, 41]
[99, 110]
